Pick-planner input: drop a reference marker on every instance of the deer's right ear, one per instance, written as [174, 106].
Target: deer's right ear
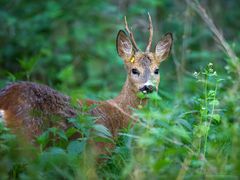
[163, 47]
[124, 45]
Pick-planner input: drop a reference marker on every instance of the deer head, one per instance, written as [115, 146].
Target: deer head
[143, 67]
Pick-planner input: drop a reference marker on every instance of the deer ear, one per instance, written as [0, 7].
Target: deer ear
[163, 47]
[124, 45]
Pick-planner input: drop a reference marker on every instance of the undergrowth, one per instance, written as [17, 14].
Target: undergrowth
[175, 137]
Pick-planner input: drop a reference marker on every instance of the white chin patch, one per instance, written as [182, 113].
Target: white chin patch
[1, 115]
[144, 91]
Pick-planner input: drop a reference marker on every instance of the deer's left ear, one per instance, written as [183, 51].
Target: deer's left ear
[163, 47]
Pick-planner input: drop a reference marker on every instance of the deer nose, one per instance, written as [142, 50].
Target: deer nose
[147, 89]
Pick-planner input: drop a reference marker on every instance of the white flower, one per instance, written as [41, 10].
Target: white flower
[210, 64]
[195, 74]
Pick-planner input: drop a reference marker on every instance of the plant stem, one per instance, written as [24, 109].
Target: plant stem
[210, 121]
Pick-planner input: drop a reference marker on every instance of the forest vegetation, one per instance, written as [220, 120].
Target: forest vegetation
[190, 128]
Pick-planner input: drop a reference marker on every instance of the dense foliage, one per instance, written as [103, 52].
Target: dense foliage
[189, 129]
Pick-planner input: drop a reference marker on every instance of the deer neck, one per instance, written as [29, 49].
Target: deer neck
[127, 99]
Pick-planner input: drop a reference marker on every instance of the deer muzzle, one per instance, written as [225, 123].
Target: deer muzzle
[147, 89]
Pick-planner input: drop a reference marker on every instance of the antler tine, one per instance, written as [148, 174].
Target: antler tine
[130, 34]
[150, 28]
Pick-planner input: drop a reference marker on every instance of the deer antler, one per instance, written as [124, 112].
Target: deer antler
[150, 28]
[131, 35]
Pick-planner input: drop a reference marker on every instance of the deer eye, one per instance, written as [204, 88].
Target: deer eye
[156, 71]
[135, 71]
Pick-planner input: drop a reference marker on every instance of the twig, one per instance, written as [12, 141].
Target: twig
[227, 49]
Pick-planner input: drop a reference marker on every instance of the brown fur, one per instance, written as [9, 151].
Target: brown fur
[116, 113]
[31, 107]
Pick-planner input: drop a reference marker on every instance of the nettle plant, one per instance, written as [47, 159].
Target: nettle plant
[172, 132]
[208, 103]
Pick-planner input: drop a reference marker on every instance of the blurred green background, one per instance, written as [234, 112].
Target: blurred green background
[190, 130]
[70, 45]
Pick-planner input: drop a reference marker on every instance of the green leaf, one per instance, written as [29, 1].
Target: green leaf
[102, 130]
[70, 131]
[62, 135]
[201, 130]
[216, 117]
[141, 95]
[214, 102]
[154, 96]
[43, 139]
[76, 147]
[102, 134]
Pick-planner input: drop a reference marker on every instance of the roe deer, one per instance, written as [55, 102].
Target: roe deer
[18, 100]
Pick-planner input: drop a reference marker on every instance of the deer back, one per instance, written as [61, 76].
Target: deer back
[33, 107]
